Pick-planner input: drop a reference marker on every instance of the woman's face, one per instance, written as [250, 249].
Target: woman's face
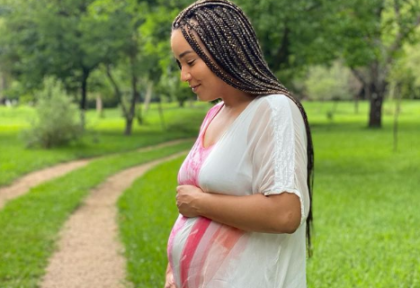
[194, 70]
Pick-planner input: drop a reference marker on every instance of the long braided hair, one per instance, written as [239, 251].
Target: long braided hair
[237, 59]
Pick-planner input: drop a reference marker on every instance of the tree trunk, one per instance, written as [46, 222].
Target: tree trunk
[148, 97]
[377, 87]
[83, 99]
[181, 103]
[134, 97]
[162, 119]
[128, 126]
[356, 103]
[117, 90]
[99, 106]
[375, 112]
[397, 98]
[3, 86]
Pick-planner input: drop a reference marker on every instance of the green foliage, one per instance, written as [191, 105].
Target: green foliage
[289, 32]
[406, 72]
[162, 68]
[71, 39]
[55, 123]
[99, 86]
[18, 92]
[412, 62]
[60, 38]
[30, 224]
[171, 88]
[329, 83]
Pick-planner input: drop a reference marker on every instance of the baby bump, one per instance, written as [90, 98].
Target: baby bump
[200, 250]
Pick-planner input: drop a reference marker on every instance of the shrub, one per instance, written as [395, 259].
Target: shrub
[56, 121]
[330, 83]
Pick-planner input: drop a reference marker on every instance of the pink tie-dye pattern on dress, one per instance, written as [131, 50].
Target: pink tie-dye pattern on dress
[205, 236]
[188, 173]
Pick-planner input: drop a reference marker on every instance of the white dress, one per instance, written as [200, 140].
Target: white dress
[263, 151]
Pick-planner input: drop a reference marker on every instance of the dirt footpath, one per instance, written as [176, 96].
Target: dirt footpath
[24, 184]
[89, 254]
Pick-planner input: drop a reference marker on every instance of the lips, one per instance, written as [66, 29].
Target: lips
[194, 88]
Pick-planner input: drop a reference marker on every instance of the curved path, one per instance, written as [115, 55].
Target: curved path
[24, 184]
[89, 253]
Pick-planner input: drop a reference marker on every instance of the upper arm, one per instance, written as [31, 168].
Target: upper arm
[279, 157]
[285, 211]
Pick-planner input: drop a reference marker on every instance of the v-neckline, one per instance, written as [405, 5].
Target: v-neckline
[203, 134]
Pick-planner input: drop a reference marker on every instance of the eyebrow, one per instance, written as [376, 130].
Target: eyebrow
[185, 53]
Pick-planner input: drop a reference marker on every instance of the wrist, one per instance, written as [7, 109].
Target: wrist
[201, 203]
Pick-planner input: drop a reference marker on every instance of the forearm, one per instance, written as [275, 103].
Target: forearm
[258, 213]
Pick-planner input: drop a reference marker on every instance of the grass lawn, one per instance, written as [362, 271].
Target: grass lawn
[147, 213]
[30, 224]
[365, 204]
[104, 135]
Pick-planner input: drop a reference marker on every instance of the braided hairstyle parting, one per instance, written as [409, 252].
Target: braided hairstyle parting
[237, 59]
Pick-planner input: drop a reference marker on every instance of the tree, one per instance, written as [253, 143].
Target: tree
[58, 38]
[290, 35]
[369, 35]
[161, 65]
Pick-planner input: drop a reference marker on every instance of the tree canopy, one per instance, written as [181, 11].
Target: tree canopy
[71, 39]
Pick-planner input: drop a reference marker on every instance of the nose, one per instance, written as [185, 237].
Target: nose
[185, 75]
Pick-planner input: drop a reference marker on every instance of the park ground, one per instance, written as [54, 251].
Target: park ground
[365, 203]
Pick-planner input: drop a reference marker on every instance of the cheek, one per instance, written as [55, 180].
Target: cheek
[217, 83]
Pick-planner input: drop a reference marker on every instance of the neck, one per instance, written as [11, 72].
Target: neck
[236, 99]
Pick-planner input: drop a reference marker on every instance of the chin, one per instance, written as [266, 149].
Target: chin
[204, 98]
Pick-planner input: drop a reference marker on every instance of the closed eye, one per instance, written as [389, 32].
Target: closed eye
[189, 63]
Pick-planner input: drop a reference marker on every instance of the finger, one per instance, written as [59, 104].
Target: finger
[170, 284]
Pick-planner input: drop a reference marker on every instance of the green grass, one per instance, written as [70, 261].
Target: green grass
[104, 136]
[147, 212]
[30, 224]
[365, 204]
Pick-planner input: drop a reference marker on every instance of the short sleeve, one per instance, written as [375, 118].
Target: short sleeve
[279, 159]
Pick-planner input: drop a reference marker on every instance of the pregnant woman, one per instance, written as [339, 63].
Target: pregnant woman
[244, 193]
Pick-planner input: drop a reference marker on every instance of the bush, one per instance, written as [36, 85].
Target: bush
[56, 121]
[330, 83]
